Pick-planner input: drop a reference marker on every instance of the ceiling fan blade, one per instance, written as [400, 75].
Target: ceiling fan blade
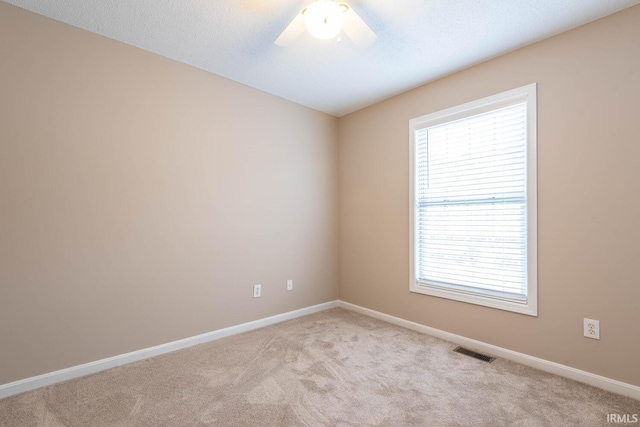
[292, 32]
[356, 29]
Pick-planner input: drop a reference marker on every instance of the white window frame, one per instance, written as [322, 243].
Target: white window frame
[527, 94]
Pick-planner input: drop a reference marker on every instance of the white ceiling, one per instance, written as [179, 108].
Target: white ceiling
[418, 41]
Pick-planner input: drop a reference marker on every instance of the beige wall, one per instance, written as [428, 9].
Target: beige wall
[588, 194]
[141, 199]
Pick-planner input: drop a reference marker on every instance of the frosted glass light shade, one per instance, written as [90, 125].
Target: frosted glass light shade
[324, 19]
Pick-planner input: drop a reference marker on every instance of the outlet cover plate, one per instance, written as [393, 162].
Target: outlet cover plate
[289, 285]
[592, 328]
[257, 291]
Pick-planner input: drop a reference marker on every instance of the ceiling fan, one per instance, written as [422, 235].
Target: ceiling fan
[324, 19]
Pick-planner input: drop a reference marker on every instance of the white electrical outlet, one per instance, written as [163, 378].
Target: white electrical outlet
[257, 291]
[289, 285]
[592, 328]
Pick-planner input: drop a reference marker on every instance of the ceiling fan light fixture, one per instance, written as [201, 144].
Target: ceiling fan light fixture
[324, 19]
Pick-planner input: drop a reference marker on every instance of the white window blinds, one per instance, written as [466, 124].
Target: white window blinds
[470, 219]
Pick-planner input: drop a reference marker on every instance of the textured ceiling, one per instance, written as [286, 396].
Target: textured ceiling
[418, 41]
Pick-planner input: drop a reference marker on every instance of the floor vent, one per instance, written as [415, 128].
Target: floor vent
[478, 356]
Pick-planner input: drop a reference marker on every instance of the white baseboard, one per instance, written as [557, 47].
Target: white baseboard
[32, 383]
[599, 381]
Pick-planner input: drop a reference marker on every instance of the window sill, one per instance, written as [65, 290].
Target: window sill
[529, 308]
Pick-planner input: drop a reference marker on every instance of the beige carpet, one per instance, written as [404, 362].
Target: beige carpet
[334, 368]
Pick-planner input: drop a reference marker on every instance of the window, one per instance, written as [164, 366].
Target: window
[473, 195]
